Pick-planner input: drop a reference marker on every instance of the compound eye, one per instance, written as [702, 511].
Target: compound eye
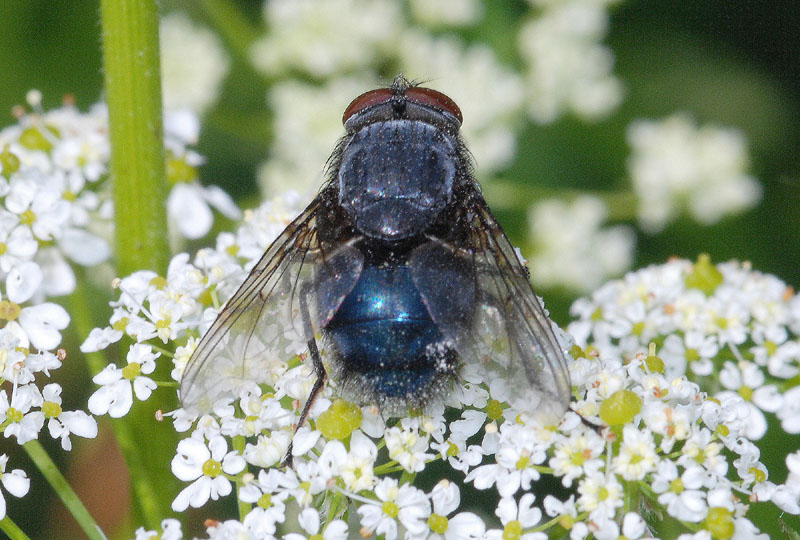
[366, 100]
[435, 100]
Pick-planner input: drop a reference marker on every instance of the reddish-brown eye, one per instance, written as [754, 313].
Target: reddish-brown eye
[367, 99]
[434, 99]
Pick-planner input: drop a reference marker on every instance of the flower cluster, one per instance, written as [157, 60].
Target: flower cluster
[156, 310]
[706, 319]
[677, 166]
[648, 436]
[566, 236]
[55, 211]
[345, 43]
[568, 69]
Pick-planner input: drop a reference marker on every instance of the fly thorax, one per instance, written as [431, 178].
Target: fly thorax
[396, 176]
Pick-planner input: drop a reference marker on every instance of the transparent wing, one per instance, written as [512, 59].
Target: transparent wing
[472, 274]
[290, 294]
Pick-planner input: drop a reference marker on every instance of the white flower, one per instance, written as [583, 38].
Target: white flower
[188, 206]
[309, 521]
[600, 495]
[115, 396]
[682, 495]
[18, 241]
[637, 454]
[193, 63]
[568, 68]
[701, 449]
[20, 421]
[695, 349]
[356, 471]
[32, 198]
[16, 482]
[516, 518]
[407, 447]
[170, 530]
[62, 424]
[403, 503]
[747, 379]
[577, 456]
[446, 498]
[676, 164]
[570, 246]
[40, 323]
[324, 38]
[204, 464]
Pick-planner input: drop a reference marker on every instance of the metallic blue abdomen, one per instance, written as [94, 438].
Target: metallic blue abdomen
[384, 340]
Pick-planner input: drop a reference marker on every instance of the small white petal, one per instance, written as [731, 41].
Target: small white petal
[83, 247]
[115, 399]
[189, 211]
[23, 281]
[16, 482]
[42, 324]
[80, 423]
[100, 338]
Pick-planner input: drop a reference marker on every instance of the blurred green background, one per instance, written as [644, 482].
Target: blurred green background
[734, 63]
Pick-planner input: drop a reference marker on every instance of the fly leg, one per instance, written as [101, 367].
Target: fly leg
[319, 371]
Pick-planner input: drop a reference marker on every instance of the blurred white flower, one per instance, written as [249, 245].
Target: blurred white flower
[193, 63]
[323, 38]
[307, 122]
[568, 68]
[569, 247]
[676, 166]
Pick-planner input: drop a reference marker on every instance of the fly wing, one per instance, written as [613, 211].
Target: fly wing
[291, 293]
[477, 292]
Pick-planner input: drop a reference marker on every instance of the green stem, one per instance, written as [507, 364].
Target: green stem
[11, 529]
[133, 92]
[244, 508]
[70, 499]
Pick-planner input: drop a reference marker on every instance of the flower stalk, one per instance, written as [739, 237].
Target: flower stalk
[39, 456]
[133, 92]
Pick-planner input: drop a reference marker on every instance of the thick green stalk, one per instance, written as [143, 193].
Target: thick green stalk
[133, 92]
[138, 173]
[54, 477]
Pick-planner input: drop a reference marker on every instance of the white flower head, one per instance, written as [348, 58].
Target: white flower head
[676, 165]
[571, 247]
[203, 465]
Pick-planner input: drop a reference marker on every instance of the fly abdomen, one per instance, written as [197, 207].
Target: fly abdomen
[387, 350]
